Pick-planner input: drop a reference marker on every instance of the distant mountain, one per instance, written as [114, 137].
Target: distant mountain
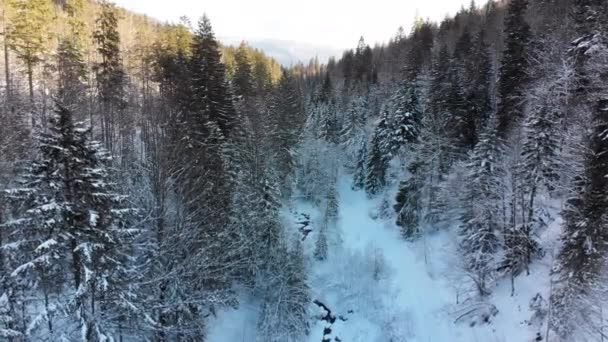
[288, 52]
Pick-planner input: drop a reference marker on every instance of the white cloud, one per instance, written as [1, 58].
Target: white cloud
[335, 23]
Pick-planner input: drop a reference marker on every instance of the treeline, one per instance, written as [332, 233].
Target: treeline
[142, 169]
[482, 122]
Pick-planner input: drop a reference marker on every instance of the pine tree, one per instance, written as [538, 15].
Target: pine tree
[329, 129]
[325, 93]
[73, 219]
[243, 77]
[284, 312]
[286, 120]
[72, 74]
[354, 128]
[540, 153]
[461, 122]
[204, 130]
[361, 167]
[482, 213]
[377, 161]
[111, 82]
[421, 40]
[584, 235]
[299, 293]
[363, 62]
[7, 326]
[321, 247]
[210, 96]
[408, 201]
[408, 115]
[480, 78]
[513, 71]
[440, 82]
[333, 204]
[29, 35]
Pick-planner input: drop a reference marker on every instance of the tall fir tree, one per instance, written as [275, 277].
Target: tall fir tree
[29, 35]
[116, 125]
[73, 219]
[377, 161]
[408, 200]
[482, 213]
[514, 67]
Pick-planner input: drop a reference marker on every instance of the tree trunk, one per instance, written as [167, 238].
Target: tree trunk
[30, 80]
[512, 284]
[7, 73]
[46, 307]
[75, 264]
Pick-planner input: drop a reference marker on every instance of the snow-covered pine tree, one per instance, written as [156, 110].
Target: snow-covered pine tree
[406, 118]
[321, 247]
[330, 126]
[361, 167]
[286, 120]
[242, 80]
[284, 312]
[8, 328]
[73, 219]
[538, 170]
[461, 122]
[432, 152]
[269, 228]
[478, 94]
[408, 201]
[377, 160]
[299, 292]
[354, 129]
[482, 211]
[582, 257]
[583, 253]
[514, 67]
[333, 202]
[72, 73]
[111, 85]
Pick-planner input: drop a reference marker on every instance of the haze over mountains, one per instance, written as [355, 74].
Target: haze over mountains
[288, 52]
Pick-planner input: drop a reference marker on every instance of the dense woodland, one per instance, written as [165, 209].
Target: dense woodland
[144, 167]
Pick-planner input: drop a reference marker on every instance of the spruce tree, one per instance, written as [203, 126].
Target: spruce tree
[402, 116]
[73, 219]
[482, 213]
[29, 35]
[514, 67]
[584, 237]
[360, 176]
[408, 201]
[72, 74]
[354, 128]
[478, 92]
[210, 95]
[243, 77]
[111, 82]
[321, 247]
[285, 121]
[377, 161]
[421, 40]
[284, 312]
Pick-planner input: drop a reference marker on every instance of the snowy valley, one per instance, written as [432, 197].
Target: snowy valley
[381, 288]
[448, 184]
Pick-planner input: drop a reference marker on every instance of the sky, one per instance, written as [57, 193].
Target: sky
[336, 24]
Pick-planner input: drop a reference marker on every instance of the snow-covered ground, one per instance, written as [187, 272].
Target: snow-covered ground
[381, 288]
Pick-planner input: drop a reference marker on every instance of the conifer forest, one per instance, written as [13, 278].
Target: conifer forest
[158, 184]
